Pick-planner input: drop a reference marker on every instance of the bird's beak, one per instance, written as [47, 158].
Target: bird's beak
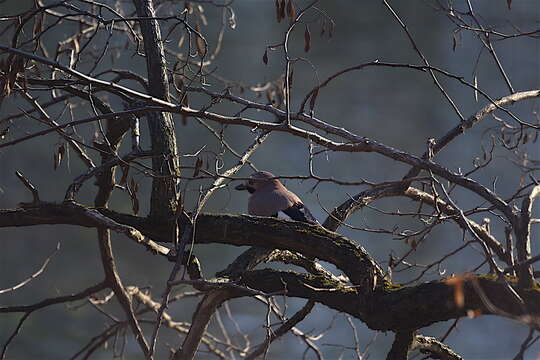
[241, 187]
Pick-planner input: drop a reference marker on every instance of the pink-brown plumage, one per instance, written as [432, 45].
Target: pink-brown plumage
[269, 197]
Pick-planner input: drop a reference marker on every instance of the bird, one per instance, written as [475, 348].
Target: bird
[270, 197]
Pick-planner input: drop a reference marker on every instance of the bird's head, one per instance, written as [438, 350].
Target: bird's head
[259, 180]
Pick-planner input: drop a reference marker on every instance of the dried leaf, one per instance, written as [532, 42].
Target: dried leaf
[291, 11]
[125, 171]
[12, 67]
[509, 3]
[198, 165]
[471, 314]
[307, 39]
[135, 205]
[313, 99]
[132, 190]
[331, 30]
[291, 74]
[269, 96]
[265, 57]
[459, 295]
[134, 186]
[62, 150]
[38, 24]
[199, 41]
[201, 15]
[178, 82]
[59, 155]
[56, 160]
[281, 10]
[323, 28]
[278, 11]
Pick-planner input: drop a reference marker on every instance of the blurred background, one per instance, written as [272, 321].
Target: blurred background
[398, 107]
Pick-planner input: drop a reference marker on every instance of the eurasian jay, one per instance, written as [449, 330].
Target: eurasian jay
[269, 197]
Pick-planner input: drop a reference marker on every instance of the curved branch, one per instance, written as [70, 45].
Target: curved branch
[364, 198]
[400, 308]
[386, 308]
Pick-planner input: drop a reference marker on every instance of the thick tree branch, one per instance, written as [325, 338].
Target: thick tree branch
[389, 309]
[398, 308]
[165, 163]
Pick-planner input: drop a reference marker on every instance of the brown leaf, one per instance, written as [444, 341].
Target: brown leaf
[278, 11]
[135, 205]
[509, 3]
[265, 57]
[56, 160]
[134, 186]
[125, 171]
[269, 96]
[411, 242]
[291, 11]
[198, 165]
[459, 295]
[38, 24]
[471, 314]
[291, 74]
[59, 155]
[307, 39]
[281, 10]
[62, 150]
[199, 41]
[313, 99]
[12, 67]
[133, 189]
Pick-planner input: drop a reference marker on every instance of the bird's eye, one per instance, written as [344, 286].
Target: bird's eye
[250, 182]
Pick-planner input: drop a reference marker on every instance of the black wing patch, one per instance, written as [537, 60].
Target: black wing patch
[299, 212]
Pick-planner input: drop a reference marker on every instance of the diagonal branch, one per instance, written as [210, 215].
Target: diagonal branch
[115, 283]
[434, 348]
[282, 330]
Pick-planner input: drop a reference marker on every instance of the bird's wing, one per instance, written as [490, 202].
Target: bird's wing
[299, 212]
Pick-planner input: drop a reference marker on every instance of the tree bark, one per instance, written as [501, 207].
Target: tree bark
[165, 162]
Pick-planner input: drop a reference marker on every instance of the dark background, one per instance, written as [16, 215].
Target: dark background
[401, 108]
